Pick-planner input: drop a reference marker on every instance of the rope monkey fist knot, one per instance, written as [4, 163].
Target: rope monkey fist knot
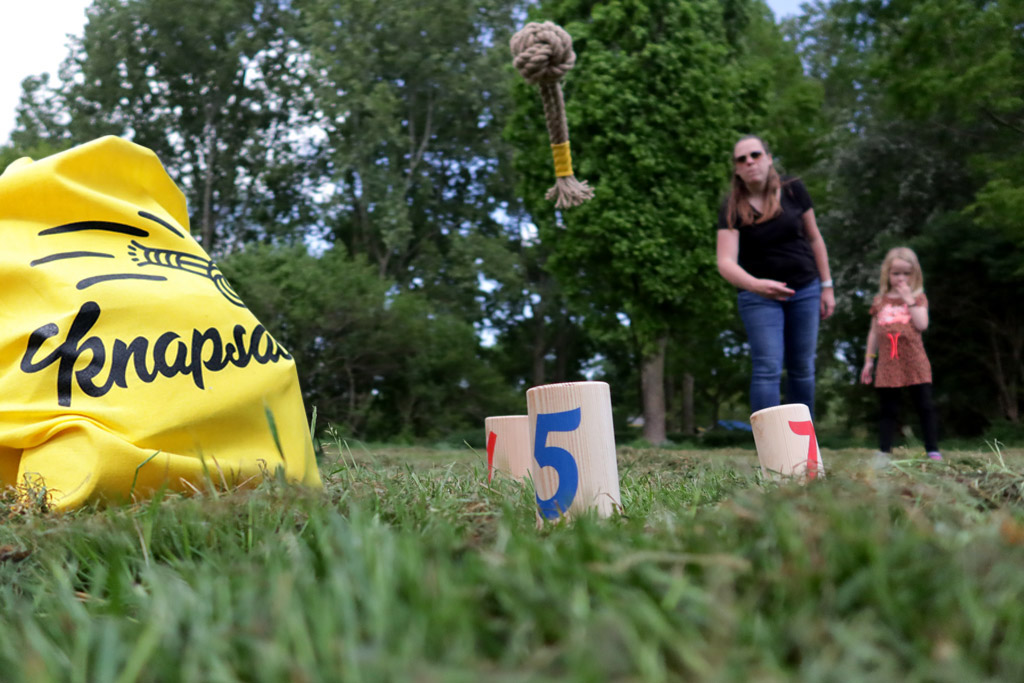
[542, 53]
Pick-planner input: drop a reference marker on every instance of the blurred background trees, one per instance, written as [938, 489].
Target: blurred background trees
[371, 179]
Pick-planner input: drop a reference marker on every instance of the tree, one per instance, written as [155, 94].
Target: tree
[540, 338]
[652, 108]
[412, 102]
[211, 86]
[927, 103]
[792, 119]
[377, 361]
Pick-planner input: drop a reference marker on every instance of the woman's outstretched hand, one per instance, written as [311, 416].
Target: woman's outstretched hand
[773, 289]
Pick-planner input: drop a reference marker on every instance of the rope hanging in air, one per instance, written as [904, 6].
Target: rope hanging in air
[542, 53]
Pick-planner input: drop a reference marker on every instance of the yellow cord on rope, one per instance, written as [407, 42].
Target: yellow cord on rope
[563, 159]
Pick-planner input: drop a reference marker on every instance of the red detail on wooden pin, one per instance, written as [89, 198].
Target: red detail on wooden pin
[492, 439]
[806, 428]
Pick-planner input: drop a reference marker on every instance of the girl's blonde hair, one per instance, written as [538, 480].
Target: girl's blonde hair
[738, 205]
[904, 254]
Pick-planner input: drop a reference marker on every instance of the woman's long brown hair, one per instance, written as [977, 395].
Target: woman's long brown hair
[739, 196]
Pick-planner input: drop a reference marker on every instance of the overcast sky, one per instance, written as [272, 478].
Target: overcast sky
[33, 40]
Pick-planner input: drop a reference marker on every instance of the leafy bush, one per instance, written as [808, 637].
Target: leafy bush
[718, 438]
[377, 361]
[1006, 432]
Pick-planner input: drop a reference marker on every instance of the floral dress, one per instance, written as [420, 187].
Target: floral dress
[902, 360]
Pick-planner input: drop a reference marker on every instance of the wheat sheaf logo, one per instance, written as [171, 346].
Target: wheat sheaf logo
[96, 364]
[141, 255]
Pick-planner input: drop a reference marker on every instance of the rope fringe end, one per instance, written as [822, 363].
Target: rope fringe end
[569, 192]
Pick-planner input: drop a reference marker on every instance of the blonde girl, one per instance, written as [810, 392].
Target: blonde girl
[899, 314]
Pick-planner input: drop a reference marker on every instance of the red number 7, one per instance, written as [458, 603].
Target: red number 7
[492, 438]
[806, 428]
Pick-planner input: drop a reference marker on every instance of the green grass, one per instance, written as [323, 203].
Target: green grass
[408, 567]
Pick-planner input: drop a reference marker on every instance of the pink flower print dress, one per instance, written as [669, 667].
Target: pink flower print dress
[902, 360]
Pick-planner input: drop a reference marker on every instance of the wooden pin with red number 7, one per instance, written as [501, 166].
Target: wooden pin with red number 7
[786, 443]
[508, 446]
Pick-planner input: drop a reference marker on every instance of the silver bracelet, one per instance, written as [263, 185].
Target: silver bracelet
[826, 283]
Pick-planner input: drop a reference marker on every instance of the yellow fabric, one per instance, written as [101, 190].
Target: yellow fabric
[563, 159]
[127, 362]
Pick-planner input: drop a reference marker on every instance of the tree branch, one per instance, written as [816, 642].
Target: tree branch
[1003, 122]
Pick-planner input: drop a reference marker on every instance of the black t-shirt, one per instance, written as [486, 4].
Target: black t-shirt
[777, 249]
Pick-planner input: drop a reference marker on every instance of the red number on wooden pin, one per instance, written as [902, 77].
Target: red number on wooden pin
[492, 438]
[806, 428]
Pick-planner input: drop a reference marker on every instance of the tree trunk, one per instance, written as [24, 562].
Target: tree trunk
[207, 213]
[716, 402]
[540, 348]
[1005, 380]
[671, 391]
[687, 400]
[208, 159]
[565, 337]
[652, 384]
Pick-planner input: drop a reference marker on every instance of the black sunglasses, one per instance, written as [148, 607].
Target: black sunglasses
[741, 159]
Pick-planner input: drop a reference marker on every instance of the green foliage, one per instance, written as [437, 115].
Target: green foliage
[376, 361]
[789, 101]
[411, 100]
[658, 96]
[37, 151]
[651, 115]
[408, 566]
[997, 207]
[211, 87]
[1006, 433]
[717, 437]
[38, 126]
[926, 100]
[958, 59]
[390, 134]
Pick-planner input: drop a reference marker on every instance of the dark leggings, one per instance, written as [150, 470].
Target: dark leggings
[890, 413]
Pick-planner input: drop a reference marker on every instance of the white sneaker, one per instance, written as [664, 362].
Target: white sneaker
[881, 460]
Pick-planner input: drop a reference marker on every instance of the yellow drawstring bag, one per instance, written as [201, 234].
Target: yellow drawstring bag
[127, 362]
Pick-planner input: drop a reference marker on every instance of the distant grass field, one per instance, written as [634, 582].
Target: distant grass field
[408, 567]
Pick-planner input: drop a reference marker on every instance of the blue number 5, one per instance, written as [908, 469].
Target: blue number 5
[559, 458]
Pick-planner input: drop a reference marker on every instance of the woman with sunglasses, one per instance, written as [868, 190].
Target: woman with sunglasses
[770, 248]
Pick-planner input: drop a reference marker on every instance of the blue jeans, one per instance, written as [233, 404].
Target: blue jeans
[782, 332]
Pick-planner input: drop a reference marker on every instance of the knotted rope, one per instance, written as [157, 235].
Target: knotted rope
[543, 54]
